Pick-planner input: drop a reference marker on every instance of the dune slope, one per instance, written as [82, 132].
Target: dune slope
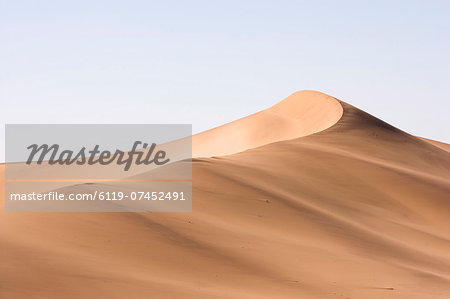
[345, 207]
[300, 114]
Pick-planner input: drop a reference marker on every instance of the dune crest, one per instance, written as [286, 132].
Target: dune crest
[301, 114]
[442, 145]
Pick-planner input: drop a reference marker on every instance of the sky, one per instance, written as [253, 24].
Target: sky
[207, 63]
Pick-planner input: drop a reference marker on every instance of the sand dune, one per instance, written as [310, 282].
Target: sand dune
[442, 145]
[312, 198]
[302, 113]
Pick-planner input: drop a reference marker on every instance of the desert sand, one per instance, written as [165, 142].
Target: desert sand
[311, 198]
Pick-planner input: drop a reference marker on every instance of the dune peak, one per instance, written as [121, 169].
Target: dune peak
[300, 114]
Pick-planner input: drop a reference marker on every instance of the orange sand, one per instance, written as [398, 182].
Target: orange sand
[314, 199]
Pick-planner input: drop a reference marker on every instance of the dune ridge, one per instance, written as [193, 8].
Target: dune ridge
[347, 207]
[301, 114]
[442, 145]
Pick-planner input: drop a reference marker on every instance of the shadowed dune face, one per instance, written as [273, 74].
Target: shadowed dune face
[358, 209]
[441, 145]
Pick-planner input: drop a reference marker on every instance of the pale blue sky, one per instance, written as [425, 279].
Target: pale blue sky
[210, 62]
